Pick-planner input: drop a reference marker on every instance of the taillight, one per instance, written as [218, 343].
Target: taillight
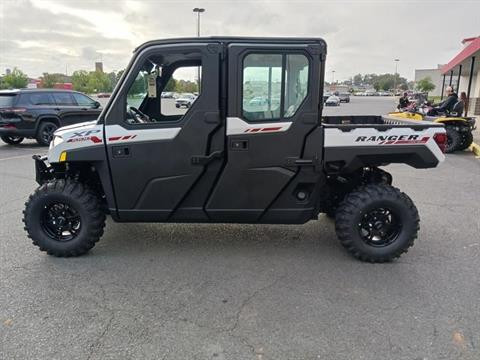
[9, 126]
[441, 140]
[14, 110]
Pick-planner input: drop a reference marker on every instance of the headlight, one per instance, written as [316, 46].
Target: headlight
[57, 140]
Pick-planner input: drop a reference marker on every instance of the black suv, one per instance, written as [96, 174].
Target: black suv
[37, 113]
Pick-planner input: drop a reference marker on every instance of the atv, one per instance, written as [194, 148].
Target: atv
[459, 129]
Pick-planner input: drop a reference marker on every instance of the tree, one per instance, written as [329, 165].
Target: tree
[80, 81]
[49, 80]
[17, 79]
[425, 84]
[357, 79]
[171, 85]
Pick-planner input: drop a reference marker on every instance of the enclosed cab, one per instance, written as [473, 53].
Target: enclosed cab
[252, 147]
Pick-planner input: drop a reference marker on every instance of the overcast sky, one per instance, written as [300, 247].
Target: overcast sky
[362, 36]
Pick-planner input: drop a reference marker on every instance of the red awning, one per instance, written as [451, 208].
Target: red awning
[471, 49]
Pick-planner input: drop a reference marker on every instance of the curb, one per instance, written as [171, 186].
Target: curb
[475, 148]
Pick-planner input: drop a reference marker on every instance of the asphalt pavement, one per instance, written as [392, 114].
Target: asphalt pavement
[155, 291]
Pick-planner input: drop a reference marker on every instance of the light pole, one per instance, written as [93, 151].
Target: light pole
[333, 80]
[395, 77]
[198, 11]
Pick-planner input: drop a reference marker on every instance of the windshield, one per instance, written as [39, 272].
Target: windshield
[6, 100]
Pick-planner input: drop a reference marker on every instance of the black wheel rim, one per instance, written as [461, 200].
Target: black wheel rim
[379, 227]
[61, 222]
[15, 139]
[47, 133]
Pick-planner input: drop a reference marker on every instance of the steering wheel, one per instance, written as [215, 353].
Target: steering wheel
[138, 115]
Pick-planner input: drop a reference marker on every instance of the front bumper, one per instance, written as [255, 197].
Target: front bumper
[43, 171]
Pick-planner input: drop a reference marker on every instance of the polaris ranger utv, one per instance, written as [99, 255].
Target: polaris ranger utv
[252, 148]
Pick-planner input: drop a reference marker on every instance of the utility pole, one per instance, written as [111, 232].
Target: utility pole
[395, 77]
[333, 80]
[198, 11]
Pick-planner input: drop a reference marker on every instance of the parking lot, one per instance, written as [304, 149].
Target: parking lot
[176, 291]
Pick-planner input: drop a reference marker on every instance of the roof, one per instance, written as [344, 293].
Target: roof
[16, 91]
[469, 50]
[236, 39]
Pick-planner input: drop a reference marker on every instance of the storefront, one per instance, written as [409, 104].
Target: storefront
[462, 70]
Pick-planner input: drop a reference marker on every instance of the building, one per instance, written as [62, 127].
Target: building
[99, 66]
[435, 75]
[464, 67]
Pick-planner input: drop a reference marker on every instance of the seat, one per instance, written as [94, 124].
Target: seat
[457, 109]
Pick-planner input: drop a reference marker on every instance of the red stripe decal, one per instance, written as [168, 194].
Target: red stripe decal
[272, 128]
[126, 137]
[114, 138]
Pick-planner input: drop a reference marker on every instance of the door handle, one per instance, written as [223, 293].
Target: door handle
[121, 151]
[204, 160]
[239, 144]
[57, 109]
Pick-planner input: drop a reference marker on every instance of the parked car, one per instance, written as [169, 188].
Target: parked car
[344, 97]
[37, 113]
[333, 101]
[167, 95]
[104, 95]
[185, 100]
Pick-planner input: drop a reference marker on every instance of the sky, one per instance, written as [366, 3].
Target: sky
[362, 36]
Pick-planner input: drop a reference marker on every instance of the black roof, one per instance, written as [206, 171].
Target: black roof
[17, 91]
[237, 39]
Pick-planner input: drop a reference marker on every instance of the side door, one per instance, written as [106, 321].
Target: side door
[165, 159]
[66, 108]
[273, 104]
[87, 107]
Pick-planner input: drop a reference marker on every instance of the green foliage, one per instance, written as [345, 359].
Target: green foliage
[15, 80]
[93, 82]
[383, 82]
[49, 80]
[171, 85]
[425, 84]
[186, 86]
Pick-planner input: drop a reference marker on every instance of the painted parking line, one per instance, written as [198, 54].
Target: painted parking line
[16, 157]
[475, 148]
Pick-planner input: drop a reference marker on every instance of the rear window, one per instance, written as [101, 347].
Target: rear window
[7, 100]
[41, 99]
[64, 99]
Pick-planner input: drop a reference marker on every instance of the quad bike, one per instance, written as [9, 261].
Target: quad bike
[459, 129]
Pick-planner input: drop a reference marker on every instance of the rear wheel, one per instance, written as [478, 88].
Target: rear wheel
[454, 139]
[45, 132]
[64, 218]
[467, 139]
[377, 223]
[12, 140]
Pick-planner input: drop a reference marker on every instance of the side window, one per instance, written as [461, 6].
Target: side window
[181, 91]
[64, 98]
[296, 83]
[264, 77]
[262, 86]
[83, 100]
[165, 88]
[41, 98]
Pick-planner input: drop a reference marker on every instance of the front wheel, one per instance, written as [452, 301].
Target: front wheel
[377, 223]
[12, 140]
[64, 218]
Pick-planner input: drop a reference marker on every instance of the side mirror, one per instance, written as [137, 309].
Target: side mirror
[96, 105]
